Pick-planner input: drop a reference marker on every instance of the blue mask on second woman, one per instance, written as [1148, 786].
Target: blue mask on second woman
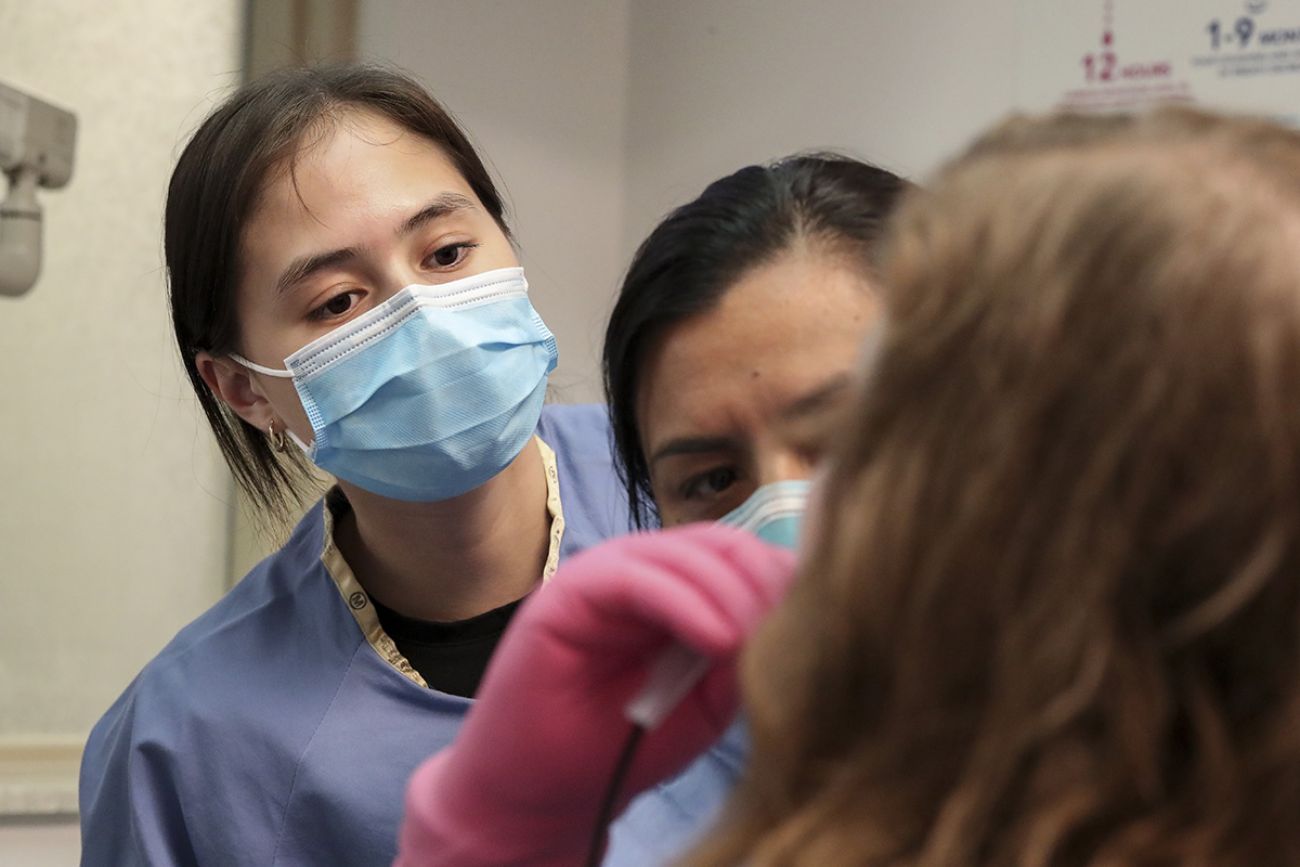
[773, 513]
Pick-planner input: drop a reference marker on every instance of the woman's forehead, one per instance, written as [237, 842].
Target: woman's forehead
[354, 189]
[365, 160]
[780, 332]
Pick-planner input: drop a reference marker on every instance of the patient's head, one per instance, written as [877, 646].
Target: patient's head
[1050, 613]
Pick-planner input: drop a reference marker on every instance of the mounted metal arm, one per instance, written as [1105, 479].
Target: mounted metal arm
[20, 234]
[36, 150]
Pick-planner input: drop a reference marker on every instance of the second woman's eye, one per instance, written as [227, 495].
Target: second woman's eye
[709, 484]
[449, 256]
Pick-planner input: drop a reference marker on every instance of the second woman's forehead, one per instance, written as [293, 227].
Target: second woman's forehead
[778, 334]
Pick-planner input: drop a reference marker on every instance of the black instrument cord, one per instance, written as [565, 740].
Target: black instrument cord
[597, 850]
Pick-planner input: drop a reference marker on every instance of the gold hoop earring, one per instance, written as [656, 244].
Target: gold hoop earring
[276, 437]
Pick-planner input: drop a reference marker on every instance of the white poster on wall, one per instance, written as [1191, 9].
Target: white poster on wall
[1116, 55]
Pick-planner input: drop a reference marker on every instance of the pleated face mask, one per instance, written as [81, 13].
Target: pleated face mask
[429, 394]
[773, 513]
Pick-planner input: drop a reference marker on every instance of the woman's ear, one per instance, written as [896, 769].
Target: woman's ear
[234, 385]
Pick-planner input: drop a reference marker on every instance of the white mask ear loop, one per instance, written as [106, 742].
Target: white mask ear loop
[269, 371]
[308, 450]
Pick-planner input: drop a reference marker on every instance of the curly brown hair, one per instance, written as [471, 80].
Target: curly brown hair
[1050, 613]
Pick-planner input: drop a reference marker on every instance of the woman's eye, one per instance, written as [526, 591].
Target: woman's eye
[710, 484]
[450, 255]
[339, 305]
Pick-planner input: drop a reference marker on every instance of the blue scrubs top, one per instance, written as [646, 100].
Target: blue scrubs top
[280, 727]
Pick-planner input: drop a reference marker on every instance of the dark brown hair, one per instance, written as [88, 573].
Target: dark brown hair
[213, 191]
[1050, 615]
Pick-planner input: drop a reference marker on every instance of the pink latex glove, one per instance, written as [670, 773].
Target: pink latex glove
[524, 780]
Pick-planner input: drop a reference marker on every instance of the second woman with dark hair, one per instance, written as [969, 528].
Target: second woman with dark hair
[735, 334]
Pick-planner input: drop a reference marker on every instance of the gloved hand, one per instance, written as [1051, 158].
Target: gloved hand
[524, 780]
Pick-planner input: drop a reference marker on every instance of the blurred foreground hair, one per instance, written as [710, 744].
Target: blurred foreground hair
[1050, 615]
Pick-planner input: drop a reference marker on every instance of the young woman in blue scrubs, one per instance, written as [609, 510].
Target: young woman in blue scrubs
[345, 293]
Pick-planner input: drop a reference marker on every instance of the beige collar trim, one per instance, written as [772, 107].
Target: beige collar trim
[358, 602]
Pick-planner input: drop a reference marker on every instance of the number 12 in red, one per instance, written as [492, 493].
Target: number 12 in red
[1100, 66]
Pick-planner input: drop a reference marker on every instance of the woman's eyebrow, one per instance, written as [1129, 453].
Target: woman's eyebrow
[441, 206]
[821, 397]
[693, 446]
[305, 266]
[302, 268]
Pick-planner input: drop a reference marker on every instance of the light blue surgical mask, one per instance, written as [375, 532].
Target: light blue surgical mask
[774, 512]
[429, 394]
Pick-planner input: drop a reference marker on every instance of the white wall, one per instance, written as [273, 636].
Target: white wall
[717, 84]
[541, 87]
[112, 521]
